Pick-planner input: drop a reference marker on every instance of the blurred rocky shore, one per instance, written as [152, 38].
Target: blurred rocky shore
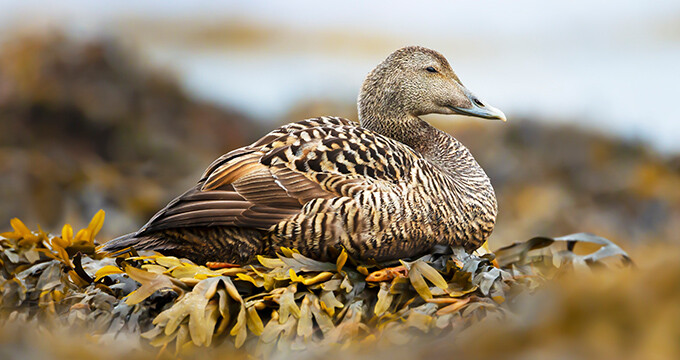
[86, 125]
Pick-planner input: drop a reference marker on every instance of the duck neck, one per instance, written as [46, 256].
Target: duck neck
[385, 113]
[397, 123]
[438, 147]
[412, 131]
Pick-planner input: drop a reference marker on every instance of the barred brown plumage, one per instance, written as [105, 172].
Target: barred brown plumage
[389, 188]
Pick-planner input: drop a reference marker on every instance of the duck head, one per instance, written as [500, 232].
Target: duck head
[416, 81]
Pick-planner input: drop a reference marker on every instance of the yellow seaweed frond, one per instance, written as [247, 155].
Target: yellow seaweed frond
[340, 262]
[20, 228]
[107, 270]
[95, 225]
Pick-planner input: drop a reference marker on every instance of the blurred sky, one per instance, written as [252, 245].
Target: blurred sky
[609, 65]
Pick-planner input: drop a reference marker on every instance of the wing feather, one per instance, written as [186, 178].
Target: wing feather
[267, 182]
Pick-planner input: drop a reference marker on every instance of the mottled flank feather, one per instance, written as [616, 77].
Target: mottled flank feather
[328, 183]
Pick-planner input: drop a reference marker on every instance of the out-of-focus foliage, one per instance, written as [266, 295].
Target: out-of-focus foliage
[285, 304]
[84, 126]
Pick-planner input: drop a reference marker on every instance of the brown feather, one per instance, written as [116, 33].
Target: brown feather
[393, 187]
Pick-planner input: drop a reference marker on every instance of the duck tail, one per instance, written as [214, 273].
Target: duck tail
[129, 243]
[200, 245]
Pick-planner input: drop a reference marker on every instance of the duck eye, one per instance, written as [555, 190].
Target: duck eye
[431, 69]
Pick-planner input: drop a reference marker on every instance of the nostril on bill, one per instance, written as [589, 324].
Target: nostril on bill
[477, 102]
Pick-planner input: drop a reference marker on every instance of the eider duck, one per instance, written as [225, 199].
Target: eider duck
[390, 187]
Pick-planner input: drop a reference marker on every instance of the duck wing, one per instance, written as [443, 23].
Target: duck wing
[269, 181]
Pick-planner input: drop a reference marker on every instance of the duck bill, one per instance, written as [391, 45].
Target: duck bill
[479, 109]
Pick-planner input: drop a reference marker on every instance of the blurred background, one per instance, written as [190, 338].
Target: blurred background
[122, 105]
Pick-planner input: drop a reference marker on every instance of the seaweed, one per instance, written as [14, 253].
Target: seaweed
[288, 302]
